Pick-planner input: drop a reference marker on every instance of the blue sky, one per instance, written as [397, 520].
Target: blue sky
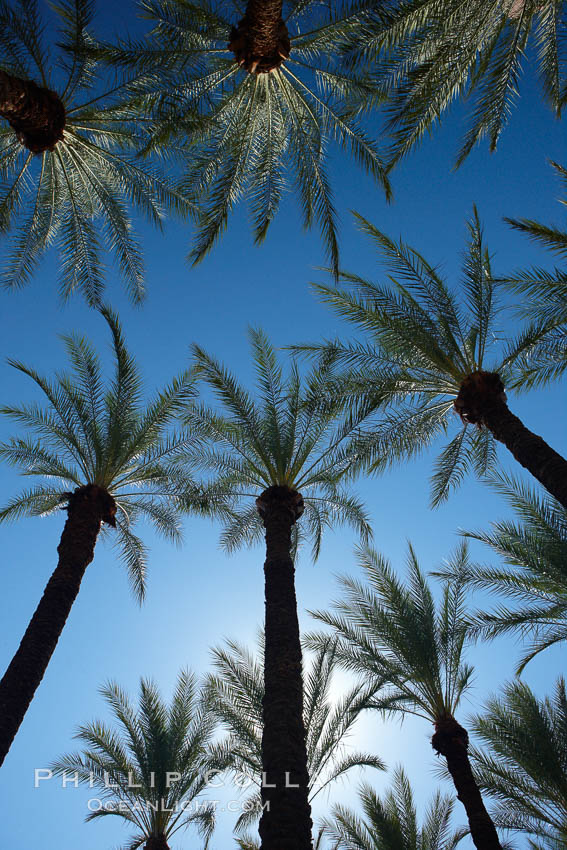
[197, 595]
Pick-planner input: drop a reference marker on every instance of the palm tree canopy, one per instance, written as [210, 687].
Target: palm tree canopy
[534, 550]
[390, 822]
[424, 345]
[263, 123]
[236, 692]
[390, 631]
[525, 765]
[159, 758]
[76, 194]
[429, 53]
[95, 432]
[290, 436]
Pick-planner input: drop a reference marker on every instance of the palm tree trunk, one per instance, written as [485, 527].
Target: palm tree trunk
[452, 741]
[534, 454]
[36, 114]
[88, 506]
[286, 817]
[156, 843]
[482, 401]
[260, 41]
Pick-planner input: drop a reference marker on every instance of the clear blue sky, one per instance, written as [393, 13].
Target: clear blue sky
[197, 595]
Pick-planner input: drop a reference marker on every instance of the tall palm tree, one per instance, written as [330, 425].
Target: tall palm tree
[155, 764]
[429, 53]
[107, 460]
[390, 632]
[525, 766]
[429, 355]
[278, 456]
[67, 153]
[535, 573]
[391, 823]
[236, 692]
[274, 93]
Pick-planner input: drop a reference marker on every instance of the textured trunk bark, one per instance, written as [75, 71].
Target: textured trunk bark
[260, 42]
[36, 114]
[156, 842]
[482, 401]
[534, 454]
[452, 741]
[286, 818]
[88, 506]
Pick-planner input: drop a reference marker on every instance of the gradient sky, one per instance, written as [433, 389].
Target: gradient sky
[197, 595]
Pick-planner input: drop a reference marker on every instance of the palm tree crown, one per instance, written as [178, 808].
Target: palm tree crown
[273, 93]
[72, 182]
[102, 437]
[391, 823]
[430, 354]
[525, 767]
[236, 692]
[291, 437]
[156, 763]
[392, 633]
[429, 53]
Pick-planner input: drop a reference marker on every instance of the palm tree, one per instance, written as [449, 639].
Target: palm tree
[428, 356]
[108, 461]
[236, 692]
[429, 53]
[156, 764]
[525, 768]
[278, 457]
[391, 823]
[535, 572]
[391, 633]
[273, 91]
[67, 154]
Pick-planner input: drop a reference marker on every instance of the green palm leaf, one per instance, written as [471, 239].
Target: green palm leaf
[427, 54]
[524, 767]
[533, 576]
